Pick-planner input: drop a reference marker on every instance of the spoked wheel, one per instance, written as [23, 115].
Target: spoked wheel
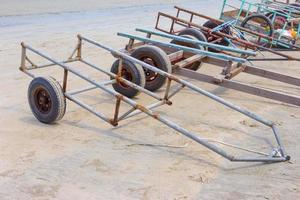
[46, 99]
[156, 57]
[195, 34]
[259, 24]
[131, 72]
[279, 20]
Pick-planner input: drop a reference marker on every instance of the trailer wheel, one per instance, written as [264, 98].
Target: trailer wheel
[211, 25]
[195, 34]
[156, 57]
[191, 33]
[46, 99]
[265, 25]
[131, 72]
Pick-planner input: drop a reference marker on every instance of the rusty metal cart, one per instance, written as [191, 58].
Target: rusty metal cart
[178, 25]
[47, 97]
[274, 19]
[184, 59]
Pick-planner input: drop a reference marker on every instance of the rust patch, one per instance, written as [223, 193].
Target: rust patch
[141, 108]
[119, 96]
[155, 116]
[174, 78]
[119, 79]
[113, 122]
[168, 102]
[146, 110]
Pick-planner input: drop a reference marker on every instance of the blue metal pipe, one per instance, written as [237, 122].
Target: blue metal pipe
[188, 49]
[205, 44]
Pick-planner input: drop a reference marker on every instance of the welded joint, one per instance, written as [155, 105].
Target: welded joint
[276, 152]
[120, 67]
[32, 64]
[148, 35]
[79, 47]
[167, 89]
[218, 79]
[130, 44]
[114, 121]
[120, 80]
[173, 78]
[147, 111]
[227, 69]
[235, 72]
[23, 57]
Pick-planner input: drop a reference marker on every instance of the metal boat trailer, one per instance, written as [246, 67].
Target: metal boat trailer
[47, 97]
[181, 57]
[219, 36]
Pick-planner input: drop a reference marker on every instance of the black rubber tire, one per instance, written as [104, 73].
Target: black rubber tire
[131, 72]
[211, 25]
[47, 91]
[195, 34]
[160, 60]
[264, 18]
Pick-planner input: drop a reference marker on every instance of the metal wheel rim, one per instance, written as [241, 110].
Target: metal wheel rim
[150, 75]
[42, 100]
[126, 74]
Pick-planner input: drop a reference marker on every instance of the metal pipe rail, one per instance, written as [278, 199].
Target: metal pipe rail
[229, 71]
[187, 49]
[193, 41]
[277, 155]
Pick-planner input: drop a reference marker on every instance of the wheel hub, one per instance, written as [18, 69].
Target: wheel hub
[42, 100]
[150, 75]
[126, 75]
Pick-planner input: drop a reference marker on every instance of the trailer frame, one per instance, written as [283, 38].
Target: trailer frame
[239, 43]
[183, 56]
[277, 155]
